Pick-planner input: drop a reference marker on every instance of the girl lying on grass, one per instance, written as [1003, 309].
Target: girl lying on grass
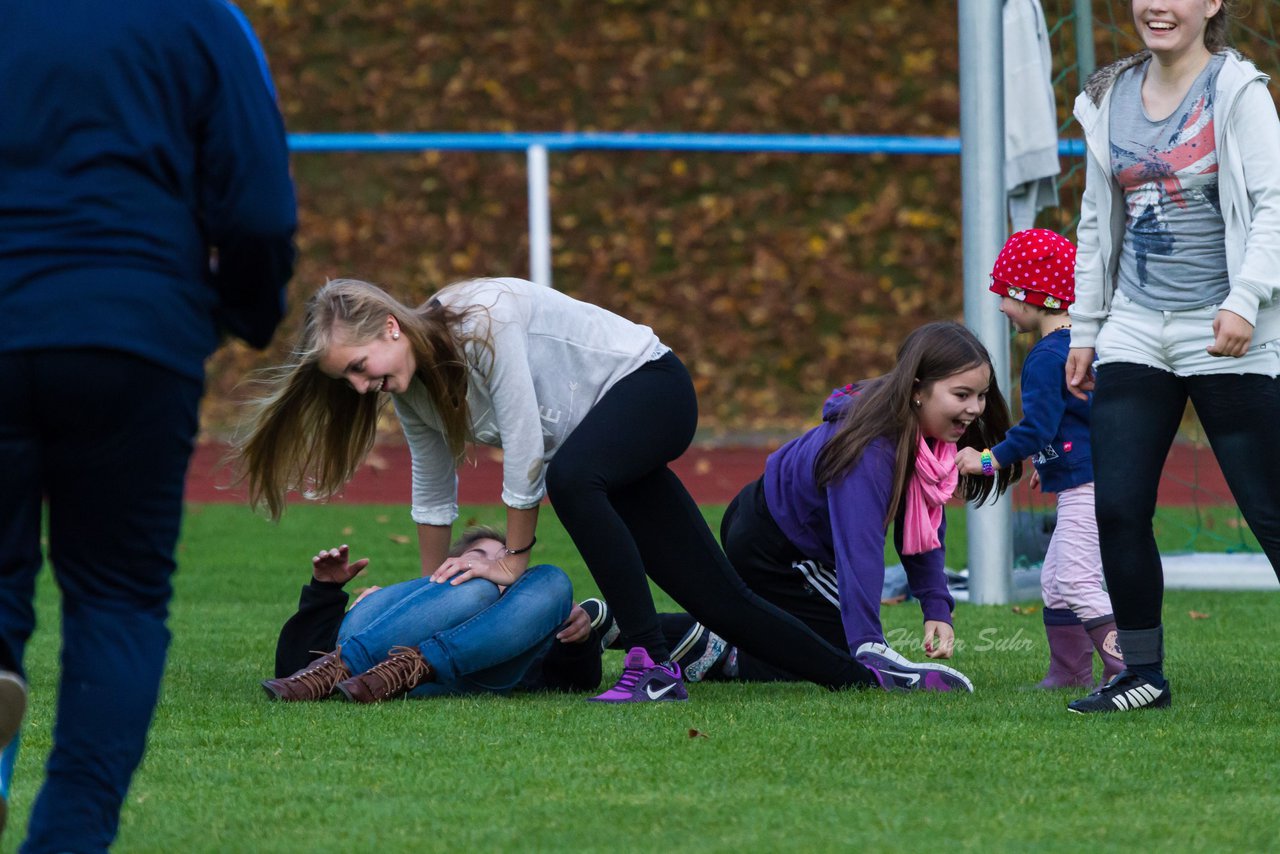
[422, 639]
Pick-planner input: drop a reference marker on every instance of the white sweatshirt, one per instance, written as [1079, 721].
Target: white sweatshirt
[1247, 138]
[553, 358]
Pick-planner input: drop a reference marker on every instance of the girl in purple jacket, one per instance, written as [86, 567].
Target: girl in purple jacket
[809, 535]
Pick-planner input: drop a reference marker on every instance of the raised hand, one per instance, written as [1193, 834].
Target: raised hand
[333, 566]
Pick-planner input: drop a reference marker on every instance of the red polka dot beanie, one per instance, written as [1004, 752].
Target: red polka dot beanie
[1038, 267]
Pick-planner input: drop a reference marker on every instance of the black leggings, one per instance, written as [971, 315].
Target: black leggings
[630, 516]
[765, 559]
[1136, 412]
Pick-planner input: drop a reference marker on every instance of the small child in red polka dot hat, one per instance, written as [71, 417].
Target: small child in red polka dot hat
[1036, 267]
[1034, 276]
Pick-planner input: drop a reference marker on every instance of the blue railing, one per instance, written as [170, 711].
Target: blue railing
[592, 140]
[536, 146]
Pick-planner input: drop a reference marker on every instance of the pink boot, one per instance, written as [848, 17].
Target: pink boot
[1102, 632]
[1070, 651]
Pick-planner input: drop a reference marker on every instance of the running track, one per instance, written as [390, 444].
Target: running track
[713, 476]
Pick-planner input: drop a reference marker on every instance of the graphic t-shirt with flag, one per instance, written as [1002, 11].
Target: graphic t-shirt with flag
[1174, 252]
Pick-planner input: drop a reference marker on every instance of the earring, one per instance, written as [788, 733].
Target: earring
[916, 403]
[395, 336]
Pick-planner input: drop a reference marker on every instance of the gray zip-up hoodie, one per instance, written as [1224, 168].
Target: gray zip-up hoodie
[1246, 132]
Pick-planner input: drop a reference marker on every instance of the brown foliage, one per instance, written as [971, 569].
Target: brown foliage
[775, 277]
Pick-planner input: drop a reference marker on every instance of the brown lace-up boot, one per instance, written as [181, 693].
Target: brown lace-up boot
[316, 681]
[403, 670]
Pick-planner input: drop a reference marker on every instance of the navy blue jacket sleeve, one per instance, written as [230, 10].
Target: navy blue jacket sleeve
[247, 195]
[1043, 402]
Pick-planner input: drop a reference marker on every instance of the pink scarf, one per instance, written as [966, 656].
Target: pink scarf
[932, 483]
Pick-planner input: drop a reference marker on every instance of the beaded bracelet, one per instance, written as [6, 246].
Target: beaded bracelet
[512, 551]
[988, 462]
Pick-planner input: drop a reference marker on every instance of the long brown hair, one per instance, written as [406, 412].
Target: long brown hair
[1215, 29]
[310, 432]
[931, 353]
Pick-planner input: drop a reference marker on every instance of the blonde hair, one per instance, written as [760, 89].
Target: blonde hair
[310, 432]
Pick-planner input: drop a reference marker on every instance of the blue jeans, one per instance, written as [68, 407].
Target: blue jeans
[475, 639]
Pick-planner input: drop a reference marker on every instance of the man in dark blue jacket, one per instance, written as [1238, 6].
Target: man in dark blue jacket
[146, 211]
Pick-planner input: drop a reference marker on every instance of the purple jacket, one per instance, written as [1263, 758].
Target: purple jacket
[843, 526]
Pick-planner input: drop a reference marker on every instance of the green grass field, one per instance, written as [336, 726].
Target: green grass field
[781, 767]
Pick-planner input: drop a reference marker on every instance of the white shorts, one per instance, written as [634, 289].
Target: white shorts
[1175, 341]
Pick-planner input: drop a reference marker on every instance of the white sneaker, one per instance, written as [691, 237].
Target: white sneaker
[896, 673]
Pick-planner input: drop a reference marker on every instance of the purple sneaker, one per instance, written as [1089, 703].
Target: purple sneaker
[896, 673]
[643, 681]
